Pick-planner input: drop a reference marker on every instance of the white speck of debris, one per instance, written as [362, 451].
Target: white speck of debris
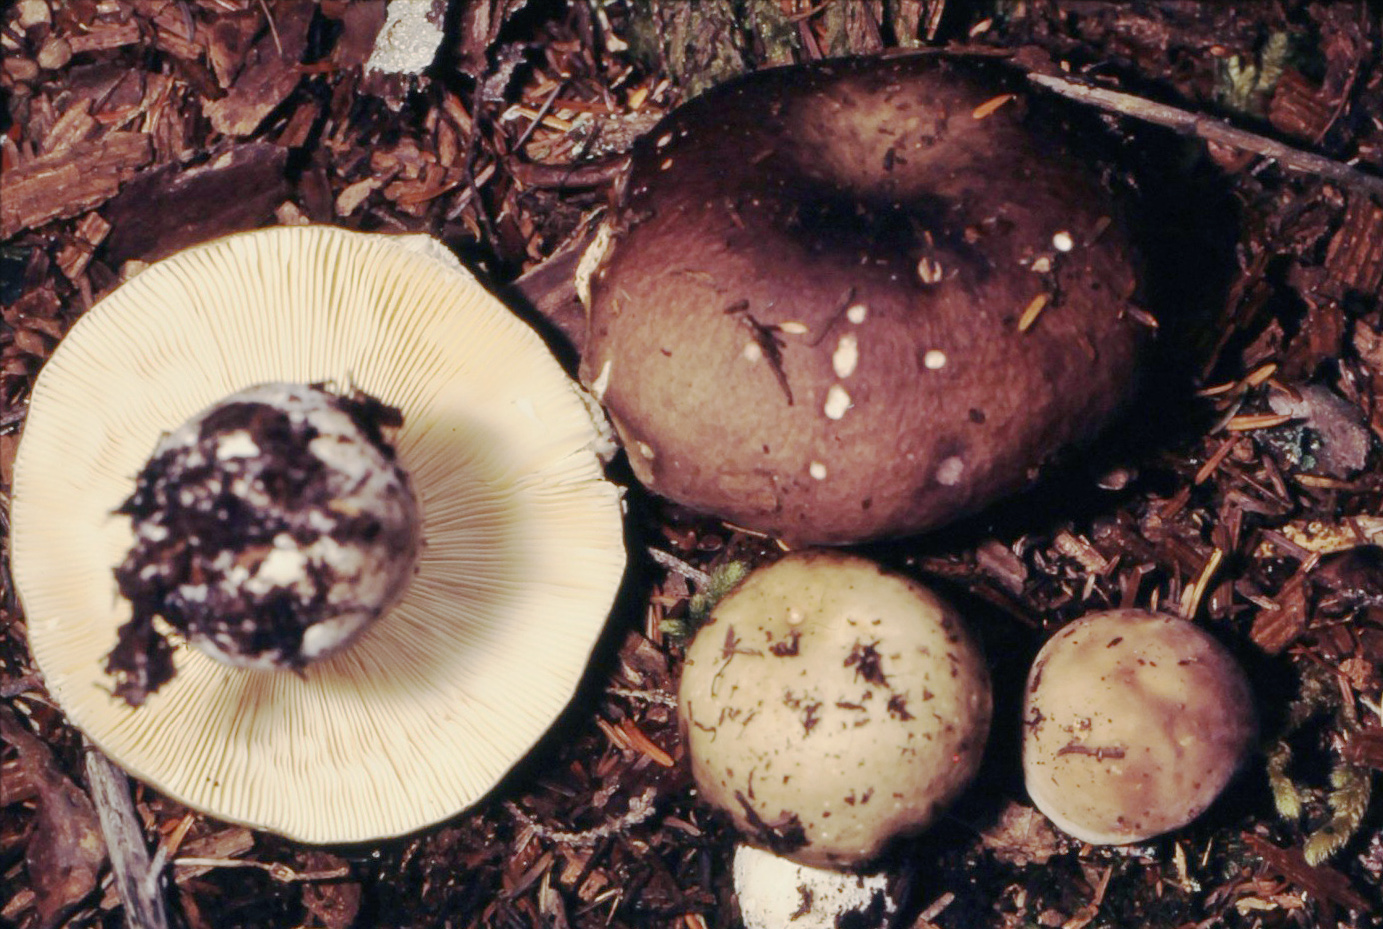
[857, 313]
[526, 407]
[154, 532]
[817, 470]
[752, 351]
[601, 382]
[282, 567]
[837, 402]
[645, 449]
[846, 356]
[795, 616]
[792, 327]
[237, 444]
[408, 41]
[667, 163]
[663, 140]
[929, 270]
[1042, 265]
[1063, 242]
[934, 359]
[948, 473]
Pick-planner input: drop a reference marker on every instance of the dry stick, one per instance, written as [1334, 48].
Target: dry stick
[136, 880]
[1212, 130]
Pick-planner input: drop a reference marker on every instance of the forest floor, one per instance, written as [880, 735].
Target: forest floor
[1245, 493]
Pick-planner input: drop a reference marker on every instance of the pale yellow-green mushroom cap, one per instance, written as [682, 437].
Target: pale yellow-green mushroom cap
[1133, 723]
[523, 537]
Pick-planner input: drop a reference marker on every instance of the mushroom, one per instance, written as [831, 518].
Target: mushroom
[774, 892]
[830, 706]
[857, 298]
[521, 552]
[1134, 722]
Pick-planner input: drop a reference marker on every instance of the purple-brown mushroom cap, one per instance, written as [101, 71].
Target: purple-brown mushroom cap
[856, 299]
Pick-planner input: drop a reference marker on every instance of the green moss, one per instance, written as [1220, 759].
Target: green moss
[1246, 84]
[1351, 787]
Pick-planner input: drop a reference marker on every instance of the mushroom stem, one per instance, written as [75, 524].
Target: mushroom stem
[270, 530]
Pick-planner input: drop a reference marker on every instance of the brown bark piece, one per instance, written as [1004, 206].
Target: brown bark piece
[481, 22]
[1299, 108]
[1318, 880]
[169, 208]
[360, 25]
[176, 32]
[270, 72]
[228, 41]
[1354, 258]
[73, 126]
[335, 903]
[550, 289]
[66, 850]
[1273, 630]
[1366, 748]
[68, 182]
[104, 37]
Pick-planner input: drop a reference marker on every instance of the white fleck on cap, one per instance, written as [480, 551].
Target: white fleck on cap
[523, 542]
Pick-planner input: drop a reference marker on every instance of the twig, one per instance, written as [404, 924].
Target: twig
[649, 696]
[641, 808]
[568, 177]
[1211, 129]
[135, 878]
[275, 869]
[698, 577]
[538, 117]
[273, 29]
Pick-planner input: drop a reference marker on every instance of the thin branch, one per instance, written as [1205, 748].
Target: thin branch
[135, 878]
[678, 566]
[1211, 129]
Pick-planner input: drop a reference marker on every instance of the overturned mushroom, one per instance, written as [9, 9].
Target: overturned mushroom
[1133, 724]
[343, 733]
[830, 706]
[855, 299]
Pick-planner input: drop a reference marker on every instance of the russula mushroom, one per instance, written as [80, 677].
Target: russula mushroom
[830, 706]
[521, 551]
[774, 892]
[1133, 724]
[855, 299]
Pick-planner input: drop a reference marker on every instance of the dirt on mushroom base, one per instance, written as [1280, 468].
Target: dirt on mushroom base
[1150, 522]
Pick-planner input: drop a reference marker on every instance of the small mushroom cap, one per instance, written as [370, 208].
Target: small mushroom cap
[830, 706]
[836, 301]
[523, 540]
[1133, 724]
[774, 893]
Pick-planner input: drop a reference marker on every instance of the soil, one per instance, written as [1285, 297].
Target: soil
[1242, 492]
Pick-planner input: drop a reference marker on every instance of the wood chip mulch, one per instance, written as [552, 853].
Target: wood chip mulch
[1245, 493]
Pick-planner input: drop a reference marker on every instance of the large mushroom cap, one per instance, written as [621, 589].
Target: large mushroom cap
[522, 549]
[830, 706]
[856, 299]
[1133, 724]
